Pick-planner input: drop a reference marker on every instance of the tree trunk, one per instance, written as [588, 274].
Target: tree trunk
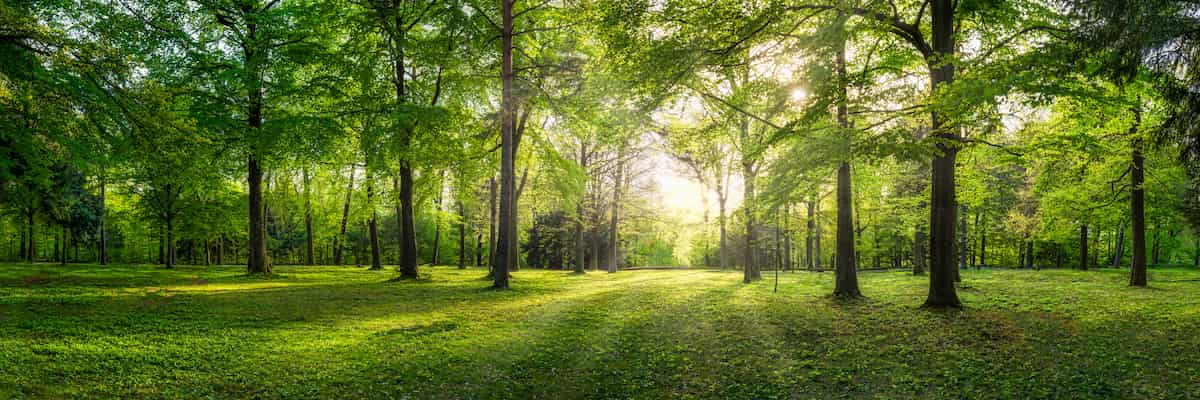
[1029, 262]
[845, 268]
[1083, 247]
[478, 248]
[983, 242]
[919, 251]
[846, 284]
[613, 238]
[962, 244]
[808, 239]
[943, 211]
[1155, 248]
[31, 247]
[408, 229]
[102, 255]
[723, 257]
[750, 270]
[492, 191]
[787, 238]
[308, 229]
[170, 242]
[817, 255]
[1119, 253]
[257, 263]
[462, 236]
[1137, 201]
[580, 244]
[221, 250]
[373, 223]
[508, 107]
[339, 242]
[437, 220]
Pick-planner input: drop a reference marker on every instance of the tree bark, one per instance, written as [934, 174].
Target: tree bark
[1029, 261]
[102, 257]
[1119, 252]
[492, 193]
[408, 229]
[1137, 202]
[373, 223]
[462, 236]
[919, 252]
[723, 257]
[437, 219]
[580, 244]
[846, 280]
[808, 239]
[944, 207]
[613, 238]
[31, 247]
[170, 242]
[308, 229]
[507, 232]
[1083, 247]
[340, 241]
[983, 242]
[750, 270]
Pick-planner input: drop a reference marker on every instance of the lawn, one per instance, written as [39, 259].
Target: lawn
[338, 332]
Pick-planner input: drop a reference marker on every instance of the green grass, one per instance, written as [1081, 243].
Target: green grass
[331, 332]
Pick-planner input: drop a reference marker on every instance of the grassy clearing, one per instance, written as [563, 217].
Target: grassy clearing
[331, 332]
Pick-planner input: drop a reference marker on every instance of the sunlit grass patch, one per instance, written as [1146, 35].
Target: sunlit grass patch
[339, 332]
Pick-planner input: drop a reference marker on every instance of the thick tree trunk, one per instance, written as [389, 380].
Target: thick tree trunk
[1083, 247]
[1137, 201]
[408, 229]
[846, 284]
[750, 270]
[257, 264]
[944, 206]
[845, 268]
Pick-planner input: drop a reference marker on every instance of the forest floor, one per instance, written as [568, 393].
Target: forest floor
[338, 332]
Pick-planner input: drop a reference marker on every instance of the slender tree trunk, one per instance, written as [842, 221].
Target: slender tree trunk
[102, 255]
[478, 248]
[1196, 256]
[723, 257]
[983, 242]
[437, 219]
[462, 236]
[31, 247]
[492, 195]
[339, 242]
[508, 109]
[373, 224]
[613, 237]
[1137, 201]
[162, 245]
[1083, 247]
[962, 244]
[1119, 253]
[1029, 261]
[580, 244]
[787, 238]
[808, 239]
[308, 229]
[1155, 248]
[170, 242]
[221, 250]
[919, 252]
